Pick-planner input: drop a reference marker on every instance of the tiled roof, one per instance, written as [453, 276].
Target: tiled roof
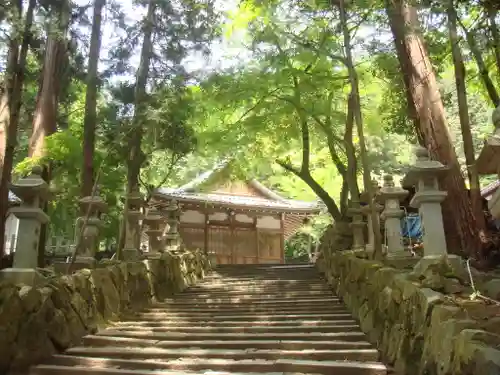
[238, 200]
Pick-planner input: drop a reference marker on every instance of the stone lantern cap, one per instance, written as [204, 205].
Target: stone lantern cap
[96, 203]
[153, 215]
[391, 191]
[353, 211]
[135, 198]
[364, 196]
[423, 167]
[488, 160]
[172, 206]
[31, 186]
[494, 139]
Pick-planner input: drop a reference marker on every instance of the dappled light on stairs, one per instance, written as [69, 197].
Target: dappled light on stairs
[240, 319]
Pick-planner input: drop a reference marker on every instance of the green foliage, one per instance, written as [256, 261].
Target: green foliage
[252, 114]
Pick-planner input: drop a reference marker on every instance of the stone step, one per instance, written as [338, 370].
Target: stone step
[363, 355]
[306, 284]
[236, 323]
[262, 269]
[280, 365]
[242, 329]
[170, 336]
[247, 296]
[259, 284]
[100, 340]
[302, 278]
[78, 370]
[264, 302]
[250, 292]
[194, 317]
[324, 308]
[253, 320]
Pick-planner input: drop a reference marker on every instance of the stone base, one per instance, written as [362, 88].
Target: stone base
[212, 258]
[399, 255]
[401, 260]
[155, 255]
[84, 262]
[131, 254]
[454, 261]
[361, 253]
[28, 276]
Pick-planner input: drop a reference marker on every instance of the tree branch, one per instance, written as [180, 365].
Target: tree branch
[333, 209]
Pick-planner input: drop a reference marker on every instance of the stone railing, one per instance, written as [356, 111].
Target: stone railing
[38, 321]
[429, 315]
[423, 323]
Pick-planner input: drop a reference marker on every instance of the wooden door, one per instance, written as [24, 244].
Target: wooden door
[244, 246]
[219, 242]
[269, 247]
[193, 238]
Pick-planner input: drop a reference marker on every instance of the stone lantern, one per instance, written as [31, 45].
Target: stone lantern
[428, 198]
[357, 226]
[488, 162]
[154, 222]
[392, 196]
[133, 227]
[172, 238]
[33, 192]
[370, 246]
[94, 206]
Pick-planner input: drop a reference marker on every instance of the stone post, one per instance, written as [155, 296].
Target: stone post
[428, 198]
[370, 246]
[94, 206]
[131, 250]
[391, 196]
[33, 191]
[357, 225]
[172, 238]
[154, 220]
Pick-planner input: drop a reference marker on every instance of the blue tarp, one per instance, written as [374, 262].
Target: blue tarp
[411, 226]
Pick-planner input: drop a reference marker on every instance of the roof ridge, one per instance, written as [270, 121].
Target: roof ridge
[216, 198]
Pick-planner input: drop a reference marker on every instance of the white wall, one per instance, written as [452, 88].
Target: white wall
[268, 222]
[192, 216]
[242, 218]
[218, 216]
[196, 217]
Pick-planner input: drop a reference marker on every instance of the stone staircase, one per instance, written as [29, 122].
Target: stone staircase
[240, 319]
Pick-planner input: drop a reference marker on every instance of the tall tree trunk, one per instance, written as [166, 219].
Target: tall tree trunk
[350, 150]
[135, 156]
[45, 116]
[481, 66]
[495, 34]
[463, 111]
[427, 105]
[356, 107]
[90, 117]
[10, 110]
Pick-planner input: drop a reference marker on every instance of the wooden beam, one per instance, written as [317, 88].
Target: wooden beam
[239, 208]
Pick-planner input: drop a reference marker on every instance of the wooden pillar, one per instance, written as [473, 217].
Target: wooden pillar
[256, 239]
[206, 233]
[231, 236]
[282, 238]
